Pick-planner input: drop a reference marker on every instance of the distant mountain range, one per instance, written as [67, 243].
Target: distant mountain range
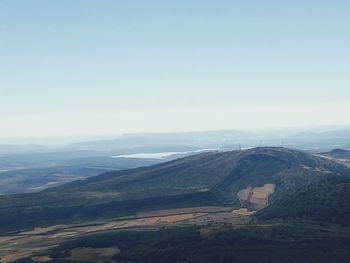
[316, 139]
[260, 179]
[307, 139]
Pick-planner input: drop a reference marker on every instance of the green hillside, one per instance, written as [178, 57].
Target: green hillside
[203, 179]
[327, 200]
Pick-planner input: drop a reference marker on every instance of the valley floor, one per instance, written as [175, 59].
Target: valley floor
[30, 242]
[193, 235]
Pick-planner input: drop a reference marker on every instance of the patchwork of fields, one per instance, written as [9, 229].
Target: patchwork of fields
[31, 242]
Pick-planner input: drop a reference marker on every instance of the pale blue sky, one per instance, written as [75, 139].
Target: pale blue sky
[100, 67]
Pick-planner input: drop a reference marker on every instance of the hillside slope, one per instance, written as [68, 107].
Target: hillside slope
[338, 154]
[326, 201]
[250, 178]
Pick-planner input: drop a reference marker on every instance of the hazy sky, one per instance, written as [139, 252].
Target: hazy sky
[102, 67]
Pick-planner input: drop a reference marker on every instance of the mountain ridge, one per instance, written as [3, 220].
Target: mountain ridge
[198, 180]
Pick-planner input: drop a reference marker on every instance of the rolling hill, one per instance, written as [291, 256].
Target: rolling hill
[253, 178]
[338, 154]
